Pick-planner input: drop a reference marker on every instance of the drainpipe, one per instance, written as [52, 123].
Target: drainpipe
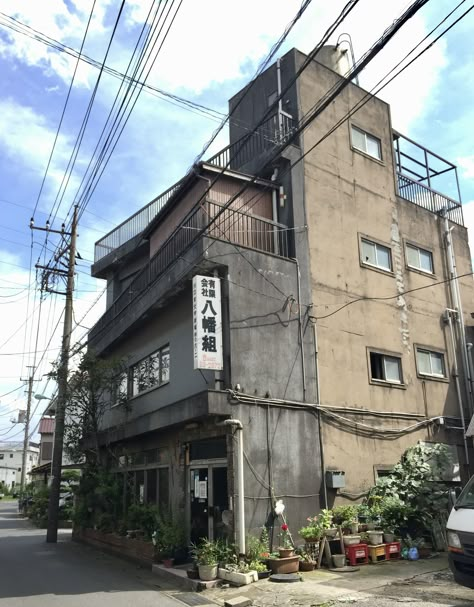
[457, 304]
[280, 103]
[319, 417]
[300, 328]
[240, 484]
[447, 318]
[275, 212]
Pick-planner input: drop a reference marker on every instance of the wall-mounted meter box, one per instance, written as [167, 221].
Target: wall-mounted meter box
[335, 479]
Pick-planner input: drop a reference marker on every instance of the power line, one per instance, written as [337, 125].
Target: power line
[389, 297]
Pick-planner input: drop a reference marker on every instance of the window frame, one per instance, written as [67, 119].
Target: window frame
[431, 376]
[353, 127]
[413, 245]
[123, 377]
[165, 349]
[384, 382]
[378, 243]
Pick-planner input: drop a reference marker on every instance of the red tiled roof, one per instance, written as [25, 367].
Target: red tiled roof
[46, 425]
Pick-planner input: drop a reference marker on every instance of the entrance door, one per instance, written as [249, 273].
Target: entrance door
[208, 492]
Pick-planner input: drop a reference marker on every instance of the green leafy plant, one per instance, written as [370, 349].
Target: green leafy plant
[143, 517]
[413, 492]
[258, 566]
[206, 552]
[345, 515]
[257, 547]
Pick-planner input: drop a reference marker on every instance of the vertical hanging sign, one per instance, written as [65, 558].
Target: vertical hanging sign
[207, 323]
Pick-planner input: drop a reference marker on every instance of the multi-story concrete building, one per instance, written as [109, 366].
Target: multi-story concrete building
[340, 326]
[11, 461]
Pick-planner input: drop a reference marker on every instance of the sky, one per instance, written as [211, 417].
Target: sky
[212, 50]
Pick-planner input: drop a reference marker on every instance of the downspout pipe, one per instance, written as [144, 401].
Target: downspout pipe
[240, 484]
[457, 304]
[448, 319]
[300, 329]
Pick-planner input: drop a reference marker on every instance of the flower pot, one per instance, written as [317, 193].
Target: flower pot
[355, 528]
[168, 562]
[339, 560]
[307, 565]
[388, 538]
[262, 575]
[285, 552]
[207, 573]
[375, 537]
[350, 540]
[285, 565]
[193, 574]
[330, 532]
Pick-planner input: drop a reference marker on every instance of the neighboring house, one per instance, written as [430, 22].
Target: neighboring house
[331, 366]
[11, 461]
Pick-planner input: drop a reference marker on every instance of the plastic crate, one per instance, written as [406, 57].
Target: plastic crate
[393, 551]
[377, 553]
[357, 554]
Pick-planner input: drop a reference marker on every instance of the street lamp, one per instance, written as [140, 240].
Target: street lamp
[240, 482]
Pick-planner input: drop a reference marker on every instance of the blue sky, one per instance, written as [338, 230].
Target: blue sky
[212, 51]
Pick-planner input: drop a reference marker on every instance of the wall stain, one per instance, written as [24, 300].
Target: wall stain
[397, 260]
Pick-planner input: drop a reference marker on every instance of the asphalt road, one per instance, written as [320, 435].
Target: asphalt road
[67, 574]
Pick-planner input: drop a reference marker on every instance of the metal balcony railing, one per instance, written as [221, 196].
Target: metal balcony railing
[429, 199]
[272, 132]
[231, 226]
[132, 226]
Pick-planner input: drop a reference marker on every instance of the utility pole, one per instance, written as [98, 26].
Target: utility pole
[56, 464]
[27, 430]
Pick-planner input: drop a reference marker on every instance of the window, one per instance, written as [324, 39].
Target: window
[382, 471]
[375, 254]
[47, 451]
[11, 455]
[419, 258]
[430, 363]
[2, 455]
[19, 469]
[366, 143]
[120, 394]
[385, 368]
[152, 371]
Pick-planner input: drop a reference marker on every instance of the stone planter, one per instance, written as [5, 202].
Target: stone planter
[350, 540]
[236, 578]
[207, 573]
[287, 565]
[388, 538]
[134, 549]
[375, 537]
[307, 565]
[330, 532]
[262, 575]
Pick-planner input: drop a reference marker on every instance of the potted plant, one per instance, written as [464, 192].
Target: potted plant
[286, 547]
[168, 539]
[313, 531]
[346, 516]
[307, 562]
[206, 557]
[260, 567]
[326, 519]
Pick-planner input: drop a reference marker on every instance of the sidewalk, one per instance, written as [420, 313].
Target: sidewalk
[322, 586]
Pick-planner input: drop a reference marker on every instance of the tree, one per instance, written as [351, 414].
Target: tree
[93, 388]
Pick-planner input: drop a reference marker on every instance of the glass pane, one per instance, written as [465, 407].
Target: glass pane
[163, 488]
[426, 262]
[437, 365]
[151, 478]
[424, 363]
[358, 139]
[392, 369]
[376, 368]
[412, 257]
[165, 365]
[383, 257]
[373, 147]
[154, 370]
[368, 252]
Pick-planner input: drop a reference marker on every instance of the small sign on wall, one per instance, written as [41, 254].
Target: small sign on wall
[207, 323]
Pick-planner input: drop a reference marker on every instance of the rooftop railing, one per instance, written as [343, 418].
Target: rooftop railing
[232, 226]
[429, 199]
[133, 226]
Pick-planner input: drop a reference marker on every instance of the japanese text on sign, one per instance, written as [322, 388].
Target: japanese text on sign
[207, 323]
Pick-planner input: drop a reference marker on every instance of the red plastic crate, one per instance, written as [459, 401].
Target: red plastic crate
[392, 551]
[357, 554]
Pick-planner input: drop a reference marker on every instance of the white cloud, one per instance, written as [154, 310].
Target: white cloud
[467, 166]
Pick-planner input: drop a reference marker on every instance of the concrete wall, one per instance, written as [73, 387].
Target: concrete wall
[349, 194]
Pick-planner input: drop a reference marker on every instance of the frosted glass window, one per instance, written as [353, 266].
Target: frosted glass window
[418, 258]
[366, 143]
[385, 368]
[376, 255]
[430, 363]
